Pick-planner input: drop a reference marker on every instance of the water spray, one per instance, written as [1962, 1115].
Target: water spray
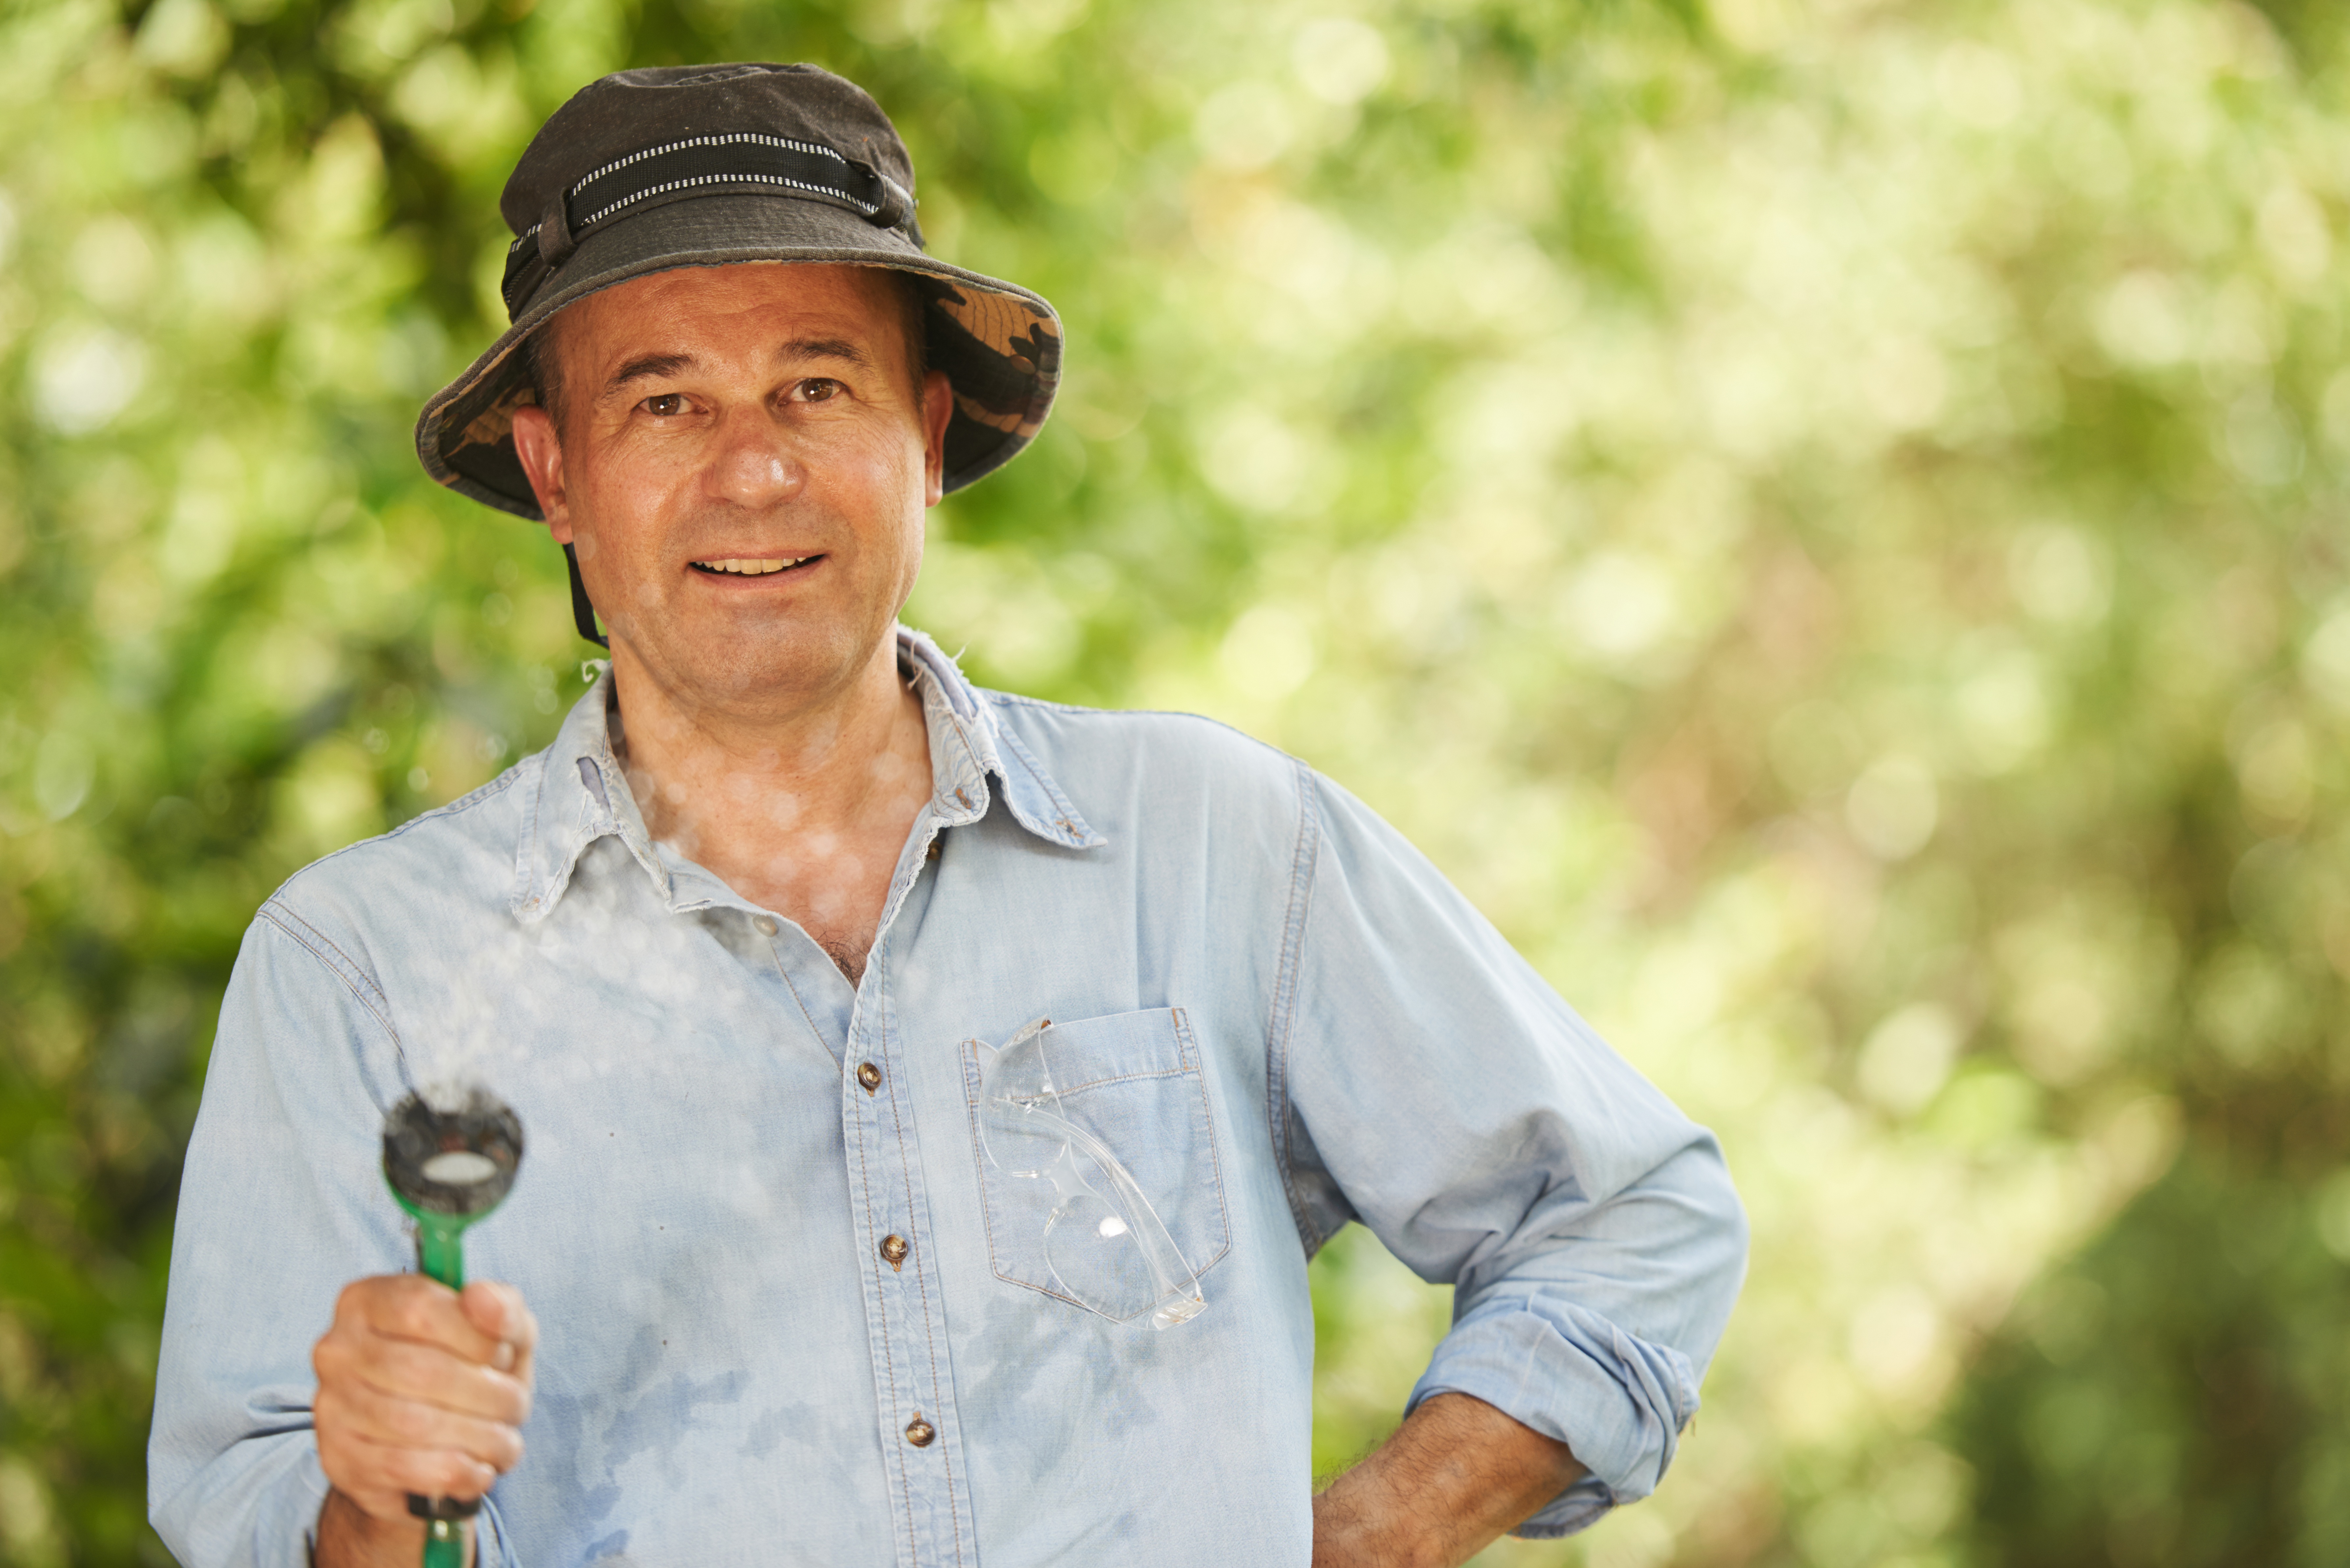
[448, 1169]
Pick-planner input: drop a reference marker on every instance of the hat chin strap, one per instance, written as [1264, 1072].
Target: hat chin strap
[583, 614]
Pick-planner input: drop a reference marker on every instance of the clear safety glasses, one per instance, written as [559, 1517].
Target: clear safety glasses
[1106, 1247]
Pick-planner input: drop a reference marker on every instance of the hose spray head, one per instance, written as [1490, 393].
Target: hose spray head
[448, 1165]
[457, 1163]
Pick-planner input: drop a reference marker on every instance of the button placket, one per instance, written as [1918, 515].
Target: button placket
[903, 1302]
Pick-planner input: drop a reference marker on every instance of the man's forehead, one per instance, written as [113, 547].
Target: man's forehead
[853, 301]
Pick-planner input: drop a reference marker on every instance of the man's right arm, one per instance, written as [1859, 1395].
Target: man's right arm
[420, 1390]
[282, 1205]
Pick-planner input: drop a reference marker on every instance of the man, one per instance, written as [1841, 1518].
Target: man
[750, 947]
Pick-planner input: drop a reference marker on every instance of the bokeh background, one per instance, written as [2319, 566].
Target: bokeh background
[1825, 517]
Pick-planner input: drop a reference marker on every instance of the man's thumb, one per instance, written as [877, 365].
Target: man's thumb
[490, 1308]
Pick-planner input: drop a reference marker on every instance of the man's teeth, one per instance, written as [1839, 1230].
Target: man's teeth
[753, 568]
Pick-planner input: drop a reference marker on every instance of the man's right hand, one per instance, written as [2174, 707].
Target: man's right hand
[421, 1389]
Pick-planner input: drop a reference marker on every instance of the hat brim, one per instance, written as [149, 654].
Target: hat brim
[999, 343]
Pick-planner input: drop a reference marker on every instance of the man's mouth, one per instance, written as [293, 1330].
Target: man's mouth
[755, 567]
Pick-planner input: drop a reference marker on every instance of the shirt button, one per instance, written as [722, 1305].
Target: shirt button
[893, 1251]
[766, 927]
[920, 1433]
[870, 1075]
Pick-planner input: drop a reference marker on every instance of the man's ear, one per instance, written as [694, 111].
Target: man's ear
[938, 407]
[542, 464]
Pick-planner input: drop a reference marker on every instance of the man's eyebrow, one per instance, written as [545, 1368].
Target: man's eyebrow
[650, 365]
[822, 348]
[797, 349]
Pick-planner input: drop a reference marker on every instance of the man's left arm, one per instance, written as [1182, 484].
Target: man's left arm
[1457, 1474]
[1438, 1090]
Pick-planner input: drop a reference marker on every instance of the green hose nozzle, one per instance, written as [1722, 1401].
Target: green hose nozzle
[448, 1167]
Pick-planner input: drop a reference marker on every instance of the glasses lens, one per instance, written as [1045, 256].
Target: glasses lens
[1091, 1249]
[1104, 1242]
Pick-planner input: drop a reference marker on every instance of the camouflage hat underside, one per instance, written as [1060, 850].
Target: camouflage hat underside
[998, 344]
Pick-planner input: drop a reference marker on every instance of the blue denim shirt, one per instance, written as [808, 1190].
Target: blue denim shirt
[1278, 1014]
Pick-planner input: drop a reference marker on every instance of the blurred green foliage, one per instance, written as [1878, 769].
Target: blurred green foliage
[1827, 518]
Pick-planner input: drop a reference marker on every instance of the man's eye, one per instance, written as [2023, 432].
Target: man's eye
[816, 389]
[664, 405]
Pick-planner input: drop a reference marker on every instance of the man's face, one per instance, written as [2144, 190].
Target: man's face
[742, 468]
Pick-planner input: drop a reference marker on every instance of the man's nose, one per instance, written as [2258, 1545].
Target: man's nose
[755, 462]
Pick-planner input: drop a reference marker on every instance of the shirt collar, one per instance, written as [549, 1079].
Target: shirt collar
[583, 796]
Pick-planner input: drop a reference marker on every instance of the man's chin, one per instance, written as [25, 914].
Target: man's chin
[756, 666]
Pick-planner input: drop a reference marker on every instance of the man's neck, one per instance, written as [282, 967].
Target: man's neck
[801, 808]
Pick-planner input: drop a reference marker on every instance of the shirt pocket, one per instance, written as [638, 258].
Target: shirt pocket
[1134, 1081]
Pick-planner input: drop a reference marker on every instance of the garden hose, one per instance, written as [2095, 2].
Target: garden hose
[448, 1167]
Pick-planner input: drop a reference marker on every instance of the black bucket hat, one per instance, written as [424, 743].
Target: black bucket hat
[706, 165]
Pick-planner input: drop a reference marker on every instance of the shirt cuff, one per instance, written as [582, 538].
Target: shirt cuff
[1617, 1402]
[490, 1549]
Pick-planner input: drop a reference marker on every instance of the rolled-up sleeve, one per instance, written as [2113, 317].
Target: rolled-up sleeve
[279, 1207]
[1441, 1092]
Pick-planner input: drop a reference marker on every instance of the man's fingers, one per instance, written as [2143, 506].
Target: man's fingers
[411, 1369]
[381, 1475]
[411, 1307]
[402, 1369]
[359, 1411]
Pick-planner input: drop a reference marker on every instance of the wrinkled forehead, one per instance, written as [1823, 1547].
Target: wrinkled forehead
[731, 306]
